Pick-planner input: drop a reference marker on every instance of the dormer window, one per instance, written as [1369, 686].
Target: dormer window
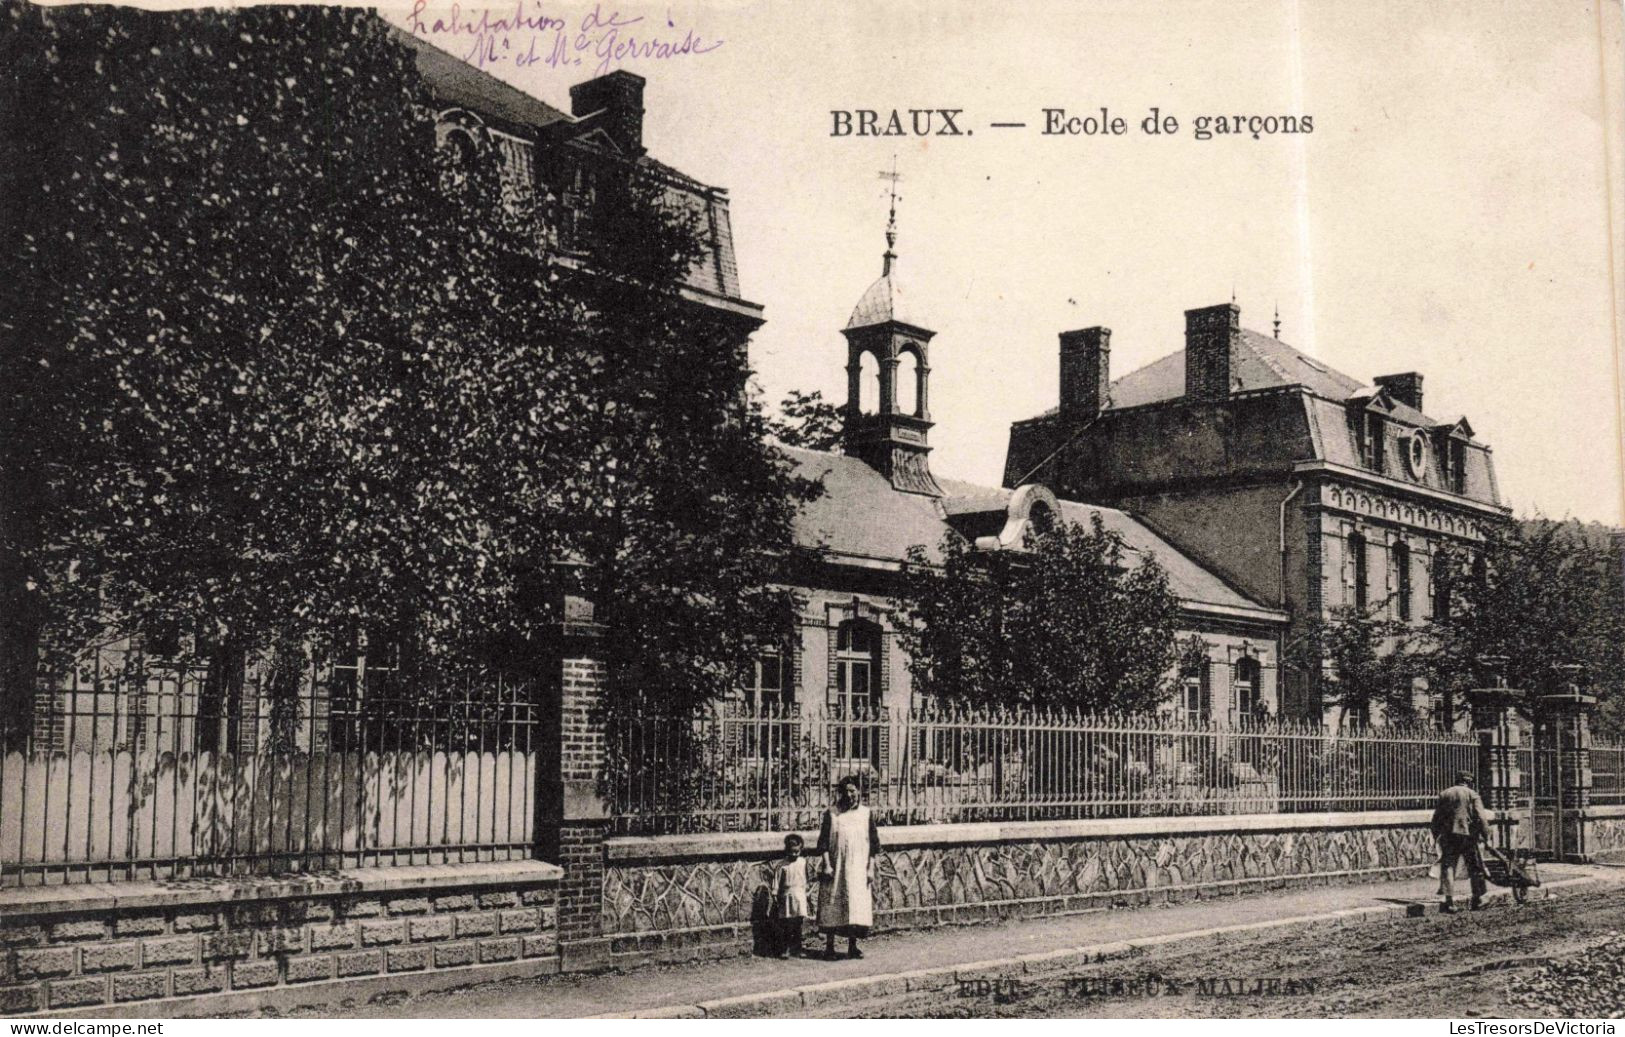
[1452, 441]
[1376, 454]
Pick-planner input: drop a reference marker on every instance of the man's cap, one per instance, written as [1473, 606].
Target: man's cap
[1465, 777]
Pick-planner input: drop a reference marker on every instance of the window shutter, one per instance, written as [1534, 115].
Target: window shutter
[1429, 590]
[1348, 566]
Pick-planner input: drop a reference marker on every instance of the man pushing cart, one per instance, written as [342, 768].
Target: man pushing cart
[1460, 821]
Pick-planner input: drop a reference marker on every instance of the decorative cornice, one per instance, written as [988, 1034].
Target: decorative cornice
[1442, 497]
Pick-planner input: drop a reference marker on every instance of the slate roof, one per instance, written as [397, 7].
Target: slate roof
[882, 301]
[861, 515]
[1258, 362]
[458, 83]
[455, 83]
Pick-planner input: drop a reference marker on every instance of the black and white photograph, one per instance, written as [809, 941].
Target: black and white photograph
[746, 509]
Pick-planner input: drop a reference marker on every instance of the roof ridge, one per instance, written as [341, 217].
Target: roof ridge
[1270, 361]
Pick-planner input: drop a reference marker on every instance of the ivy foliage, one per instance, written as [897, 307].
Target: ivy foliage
[277, 368]
[1073, 621]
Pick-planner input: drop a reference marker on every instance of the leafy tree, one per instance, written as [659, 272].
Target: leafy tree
[807, 420]
[1539, 596]
[1068, 622]
[1366, 664]
[277, 369]
[692, 516]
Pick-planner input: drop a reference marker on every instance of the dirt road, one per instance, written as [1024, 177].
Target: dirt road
[1559, 958]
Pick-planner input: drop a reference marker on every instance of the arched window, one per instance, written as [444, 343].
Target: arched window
[1041, 518]
[908, 383]
[1402, 580]
[1247, 698]
[857, 688]
[460, 146]
[1358, 569]
[868, 383]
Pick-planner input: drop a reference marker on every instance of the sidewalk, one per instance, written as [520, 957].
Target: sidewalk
[932, 956]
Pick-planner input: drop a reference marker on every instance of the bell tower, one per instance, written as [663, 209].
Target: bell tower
[891, 440]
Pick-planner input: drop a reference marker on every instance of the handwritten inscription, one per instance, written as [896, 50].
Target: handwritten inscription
[527, 35]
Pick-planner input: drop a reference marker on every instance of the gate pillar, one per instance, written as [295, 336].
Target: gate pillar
[1565, 712]
[1501, 736]
[575, 817]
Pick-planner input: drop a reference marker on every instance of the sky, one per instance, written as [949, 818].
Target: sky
[1457, 209]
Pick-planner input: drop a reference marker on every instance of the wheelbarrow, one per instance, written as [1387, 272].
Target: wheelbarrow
[1515, 871]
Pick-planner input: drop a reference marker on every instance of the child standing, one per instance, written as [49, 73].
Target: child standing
[791, 906]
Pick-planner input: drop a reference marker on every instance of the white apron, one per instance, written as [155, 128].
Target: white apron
[846, 901]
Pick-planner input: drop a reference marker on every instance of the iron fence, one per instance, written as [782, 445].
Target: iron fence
[137, 768]
[1607, 772]
[737, 768]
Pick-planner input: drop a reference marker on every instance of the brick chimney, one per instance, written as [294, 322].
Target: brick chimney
[1405, 388]
[1210, 338]
[619, 95]
[1085, 373]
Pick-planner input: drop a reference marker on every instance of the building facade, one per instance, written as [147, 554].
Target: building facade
[881, 498]
[1297, 484]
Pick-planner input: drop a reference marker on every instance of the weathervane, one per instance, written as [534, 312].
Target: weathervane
[891, 217]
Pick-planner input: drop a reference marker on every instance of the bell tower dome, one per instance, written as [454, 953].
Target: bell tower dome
[892, 440]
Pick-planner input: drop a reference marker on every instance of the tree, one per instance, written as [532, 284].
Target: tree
[1368, 665]
[279, 371]
[1538, 597]
[692, 512]
[1065, 623]
[807, 420]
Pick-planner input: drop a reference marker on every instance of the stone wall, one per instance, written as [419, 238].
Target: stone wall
[1605, 831]
[74, 947]
[673, 894]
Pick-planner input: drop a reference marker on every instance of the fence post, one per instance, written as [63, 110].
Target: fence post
[1500, 733]
[576, 817]
[1567, 712]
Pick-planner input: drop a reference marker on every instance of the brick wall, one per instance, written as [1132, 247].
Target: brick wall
[581, 733]
[579, 840]
[581, 892]
[61, 960]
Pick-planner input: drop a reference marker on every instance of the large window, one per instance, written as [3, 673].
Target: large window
[1358, 568]
[857, 689]
[1247, 695]
[1443, 563]
[367, 708]
[1402, 580]
[769, 685]
[1195, 705]
[1357, 717]
[770, 695]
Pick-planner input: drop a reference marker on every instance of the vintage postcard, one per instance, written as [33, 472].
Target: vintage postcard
[566, 508]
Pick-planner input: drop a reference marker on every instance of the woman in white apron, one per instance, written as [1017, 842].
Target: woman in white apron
[847, 840]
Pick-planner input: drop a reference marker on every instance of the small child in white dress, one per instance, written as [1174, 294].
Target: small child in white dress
[791, 905]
